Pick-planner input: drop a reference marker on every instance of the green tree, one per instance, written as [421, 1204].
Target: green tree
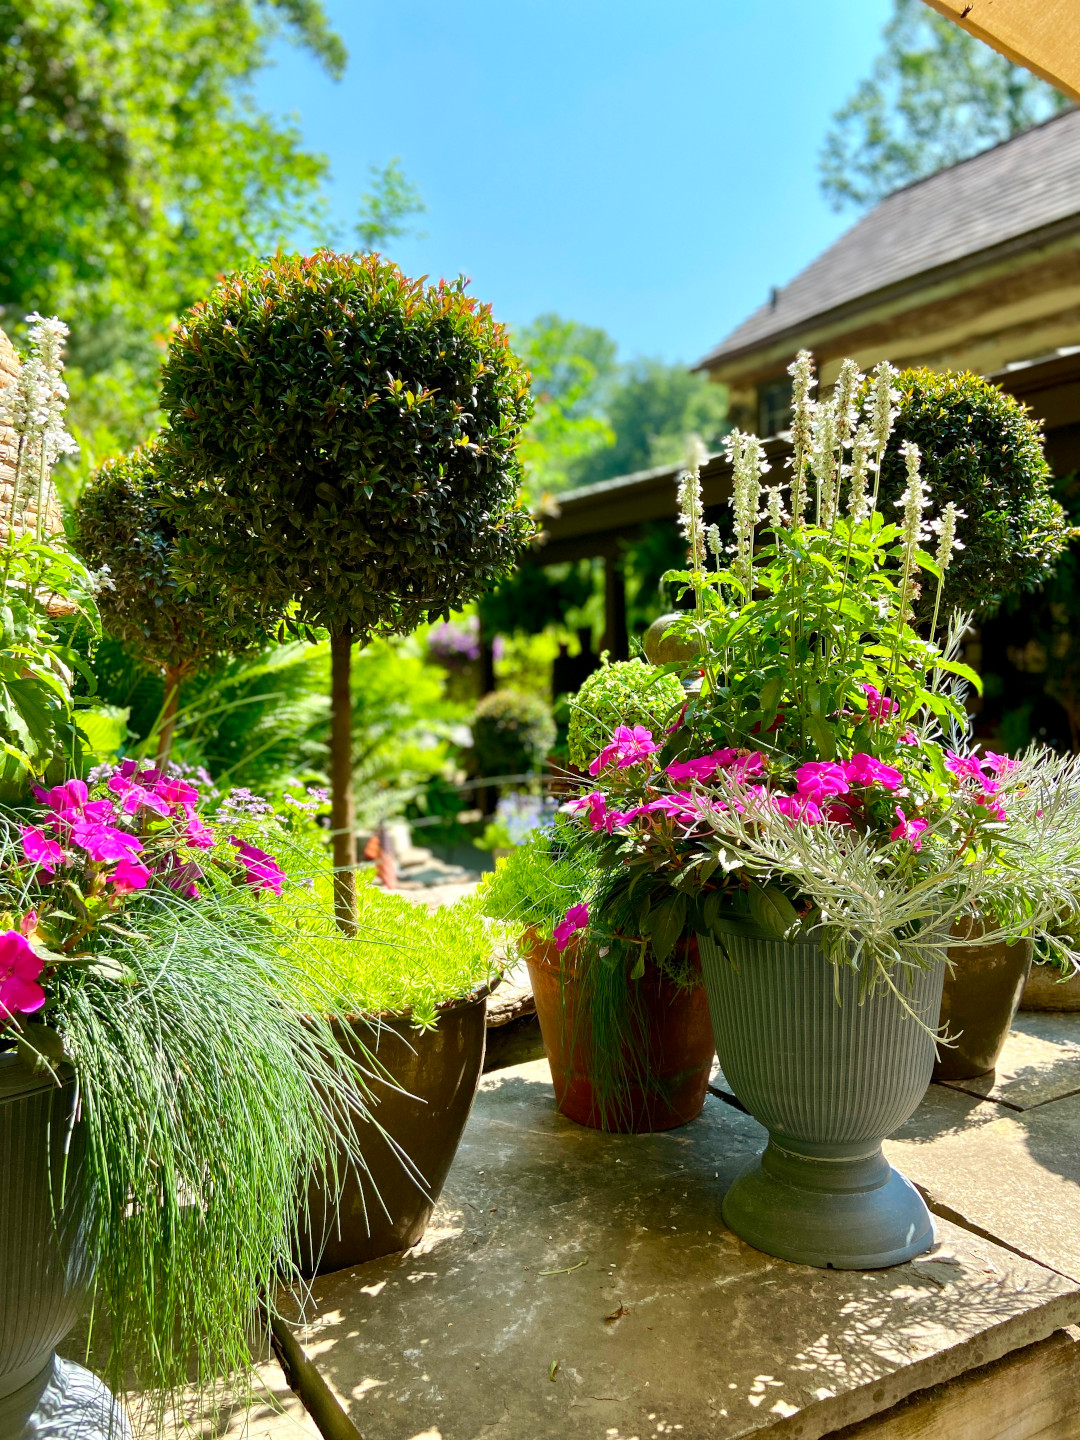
[345, 442]
[387, 207]
[571, 367]
[652, 409]
[936, 96]
[135, 162]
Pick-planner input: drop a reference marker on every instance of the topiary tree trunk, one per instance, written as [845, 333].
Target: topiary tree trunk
[342, 806]
[175, 676]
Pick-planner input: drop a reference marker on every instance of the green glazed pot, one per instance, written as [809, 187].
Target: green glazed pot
[978, 1003]
[829, 1081]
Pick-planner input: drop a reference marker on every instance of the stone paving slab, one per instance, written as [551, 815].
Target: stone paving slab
[577, 1286]
[1014, 1174]
[1040, 1062]
[275, 1414]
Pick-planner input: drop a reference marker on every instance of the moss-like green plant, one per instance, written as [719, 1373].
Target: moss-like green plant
[512, 733]
[118, 524]
[535, 885]
[981, 450]
[346, 443]
[626, 693]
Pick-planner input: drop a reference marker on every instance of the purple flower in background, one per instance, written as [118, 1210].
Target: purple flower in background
[261, 871]
[455, 645]
[242, 802]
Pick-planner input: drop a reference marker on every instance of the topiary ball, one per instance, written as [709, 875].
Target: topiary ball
[626, 693]
[118, 524]
[661, 649]
[512, 734]
[346, 439]
[980, 449]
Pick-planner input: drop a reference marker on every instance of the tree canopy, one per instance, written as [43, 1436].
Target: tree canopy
[135, 162]
[936, 96]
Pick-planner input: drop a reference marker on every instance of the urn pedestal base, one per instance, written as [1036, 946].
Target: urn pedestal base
[64, 1402]
[839, 1211]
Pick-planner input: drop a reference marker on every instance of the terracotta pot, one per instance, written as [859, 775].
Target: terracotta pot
[388, 1209]
[666, 1072]
[44, 1265]
[978, 1003]
[1046, 990]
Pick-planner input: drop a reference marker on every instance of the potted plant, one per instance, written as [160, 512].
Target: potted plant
[410, 992]
[342, 442]
[625, 1027]
[820, 821]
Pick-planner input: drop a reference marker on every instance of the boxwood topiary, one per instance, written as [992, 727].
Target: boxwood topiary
[118, 524]
[346, 444]
[626, 693]
[981, 449]
[512, 733]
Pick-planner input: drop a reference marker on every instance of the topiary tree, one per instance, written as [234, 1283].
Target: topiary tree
[981, 450]
[512, 733]
[118, 524]
[345, 441]
[626, 693]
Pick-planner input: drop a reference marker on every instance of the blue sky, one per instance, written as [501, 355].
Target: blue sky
[647, 167]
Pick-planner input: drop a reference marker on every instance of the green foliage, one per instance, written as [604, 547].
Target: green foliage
[387, 206]
[980, 450]
[512, 733]
[652, 409]
[535, 596]
[571, 367]
[118, 524]
[936, 96]
[405, 958]
[535, 885]
[200, 1079]
[344, 438]
[136, 162]
[626, 693]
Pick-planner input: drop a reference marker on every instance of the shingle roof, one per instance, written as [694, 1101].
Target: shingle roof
[1021, 185]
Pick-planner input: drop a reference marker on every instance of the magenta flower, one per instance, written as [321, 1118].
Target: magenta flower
[261, 871]
[681, 807]
[40, 850]
[799, 807]
[987, 797]
[628, 747]
[136, 796]
[863, 769]
[965, 767]
[180, 878]
[577, 917]
[129, 876]
[1000, 764]
[908, 737]
[132, 770]
[819, 780]
[20, 994]
[703, 769]
[878, 707]
[104, 843]
[63, 799]
[595, 806]
[177, 792]
[197, 834]
[909, 829]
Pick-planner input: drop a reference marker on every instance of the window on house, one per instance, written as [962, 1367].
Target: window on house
[774, 406]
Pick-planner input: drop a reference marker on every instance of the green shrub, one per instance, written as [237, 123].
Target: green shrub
[512, 733]
[626, 693]
[981, 450]
[535, 884]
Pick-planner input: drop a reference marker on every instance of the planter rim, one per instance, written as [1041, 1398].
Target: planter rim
[17, 1079]
[369, 1017]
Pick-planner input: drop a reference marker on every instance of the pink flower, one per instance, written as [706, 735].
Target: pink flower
[577, 917]
[798, 807]
[136, 796]
[628, 747]
[598, 815]
[261, 871]
[20, 994]
[177, 792]
[964, 767]
[40, 850]
[64, 798]
[180, 877]
[987, 797]
[1000, 764]
[104, 843]
[703, 769]
[681, 807]
[128, 876]
[821, 779]
[909, 829]
[863, 769]
[908, 737]
[678, 723]
[198, 835]
[132, 770]
[28, 923]
[878, 707]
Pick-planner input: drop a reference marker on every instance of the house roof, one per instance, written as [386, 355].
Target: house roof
[1021, 186]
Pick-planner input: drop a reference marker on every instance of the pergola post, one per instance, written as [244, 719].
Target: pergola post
[616, 639]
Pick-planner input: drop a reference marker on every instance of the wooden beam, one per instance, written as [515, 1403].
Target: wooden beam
[1043, 35]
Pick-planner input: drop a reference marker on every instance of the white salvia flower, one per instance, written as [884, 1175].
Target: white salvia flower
[847, 389]
[802, 428]
[884, 399]
[858, 503]
[748, 464]
[774, 506]
[914, 501]
[945, 528]
[823, 462]
[46, 351]
[712, 538]
[691, 507]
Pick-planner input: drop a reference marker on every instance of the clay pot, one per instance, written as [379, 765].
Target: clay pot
[388, 1208]
[44, 1264]
[664, 1075]
[982, 991]
[1046, 990]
